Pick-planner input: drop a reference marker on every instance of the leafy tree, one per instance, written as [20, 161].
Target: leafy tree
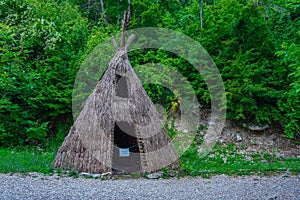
[39, 75]
[255, 45]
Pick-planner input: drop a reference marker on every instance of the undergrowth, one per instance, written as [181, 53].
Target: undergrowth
[25, 160]
[221, 160]
[227, 160]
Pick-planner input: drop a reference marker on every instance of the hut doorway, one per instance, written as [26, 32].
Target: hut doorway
[126, 153]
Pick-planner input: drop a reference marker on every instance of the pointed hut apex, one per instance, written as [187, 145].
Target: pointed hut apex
[123, 35]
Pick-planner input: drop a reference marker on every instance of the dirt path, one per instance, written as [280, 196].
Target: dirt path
[217, 187]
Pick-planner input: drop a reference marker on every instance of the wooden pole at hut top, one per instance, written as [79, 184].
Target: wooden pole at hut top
[124, 28]
[123, 34]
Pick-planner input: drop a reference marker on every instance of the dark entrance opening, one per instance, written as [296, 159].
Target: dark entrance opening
[126, 154]
[121, 87]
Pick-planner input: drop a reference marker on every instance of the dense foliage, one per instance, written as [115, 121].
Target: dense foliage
[41, 42]
[255, 44]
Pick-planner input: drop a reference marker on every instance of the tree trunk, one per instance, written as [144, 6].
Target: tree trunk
[201, 12]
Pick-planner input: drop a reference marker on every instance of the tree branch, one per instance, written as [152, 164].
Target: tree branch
[102, 6]
[201, 10]
[129, 12]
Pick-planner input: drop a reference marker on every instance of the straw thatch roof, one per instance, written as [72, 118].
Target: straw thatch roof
[119, 104]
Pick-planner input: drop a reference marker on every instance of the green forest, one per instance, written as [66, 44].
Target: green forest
[254, 43]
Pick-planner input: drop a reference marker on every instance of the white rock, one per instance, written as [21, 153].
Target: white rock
[238, 138]
[258, 128]
[106, 175]
[96, 175]
[91, 175]
[211, 123]
[84, 174]
[155, 175]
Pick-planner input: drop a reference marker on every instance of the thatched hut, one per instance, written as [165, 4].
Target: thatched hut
[119, 126]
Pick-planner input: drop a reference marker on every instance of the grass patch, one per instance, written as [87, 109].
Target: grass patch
[25, 160]
[222, 160]
[226, 160]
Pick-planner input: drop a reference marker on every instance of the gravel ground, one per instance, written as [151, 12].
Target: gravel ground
[218, 187]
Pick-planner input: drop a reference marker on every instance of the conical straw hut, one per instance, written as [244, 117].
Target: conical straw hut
[119, 127]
